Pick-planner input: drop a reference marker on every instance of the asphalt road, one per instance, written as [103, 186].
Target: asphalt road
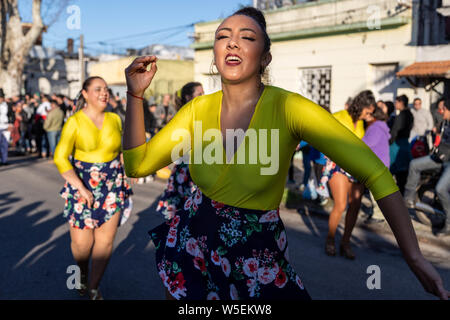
[35, 248]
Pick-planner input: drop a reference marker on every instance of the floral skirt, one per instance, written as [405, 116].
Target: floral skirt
[212, 251]
[179, 188]
[330, 169]
[112, 194]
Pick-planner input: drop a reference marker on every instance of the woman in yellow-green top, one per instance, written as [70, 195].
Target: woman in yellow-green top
[96, 192]
[228, 241]
[341, 184]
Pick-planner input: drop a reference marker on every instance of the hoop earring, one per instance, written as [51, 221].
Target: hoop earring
[211, 69]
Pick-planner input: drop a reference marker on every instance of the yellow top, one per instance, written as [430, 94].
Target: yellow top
[248, 185]
[344, 117]
[81, 138]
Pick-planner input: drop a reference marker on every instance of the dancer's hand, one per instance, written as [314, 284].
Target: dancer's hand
[430, 279]
[137, 75]
[87, 195]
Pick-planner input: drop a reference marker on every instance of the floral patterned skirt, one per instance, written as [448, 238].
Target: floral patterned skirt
[330, 169]
[112, 194]
[179, 188]
[212, 251]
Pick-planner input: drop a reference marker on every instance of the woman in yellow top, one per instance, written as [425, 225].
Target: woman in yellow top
[96, 192]
[229, 241]
[342, 185]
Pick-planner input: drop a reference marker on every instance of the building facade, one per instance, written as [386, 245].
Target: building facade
[172, 75]
[329, 50]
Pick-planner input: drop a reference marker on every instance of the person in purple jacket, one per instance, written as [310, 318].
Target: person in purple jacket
[377, 138]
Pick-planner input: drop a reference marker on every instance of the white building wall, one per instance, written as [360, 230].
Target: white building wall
[352, 58]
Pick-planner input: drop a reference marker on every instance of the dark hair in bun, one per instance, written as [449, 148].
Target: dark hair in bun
[258, 16]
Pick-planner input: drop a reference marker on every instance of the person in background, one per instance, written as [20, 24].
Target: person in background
[150, 131]
[41, 137]
[180, 184]
[150, 119]
[423, 120]
[17, 124]
[438, 161]
[98, 197]
[390, 113]
[438, 115]
[377, 138]
[165, 112]
[26, 134]
[5, 130]
[400, 150]
[53, 125]
[344, 188]
[348, 103]
[382, 105]
[115, 106]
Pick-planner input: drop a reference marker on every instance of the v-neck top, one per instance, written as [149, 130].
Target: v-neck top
[280, 120]
[82, 139]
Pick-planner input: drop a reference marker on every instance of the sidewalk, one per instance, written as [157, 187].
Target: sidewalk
[293, 202]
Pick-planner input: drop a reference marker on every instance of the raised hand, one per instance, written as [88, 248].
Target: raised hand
[138, 76]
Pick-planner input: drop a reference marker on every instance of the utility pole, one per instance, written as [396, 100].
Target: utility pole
[81, 60]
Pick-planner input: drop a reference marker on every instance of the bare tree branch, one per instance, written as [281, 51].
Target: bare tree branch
[53, 10]
[15, 45]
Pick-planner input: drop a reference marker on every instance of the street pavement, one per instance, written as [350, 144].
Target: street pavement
[35, 247]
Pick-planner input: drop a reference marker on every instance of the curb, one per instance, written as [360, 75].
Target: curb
[292, 201]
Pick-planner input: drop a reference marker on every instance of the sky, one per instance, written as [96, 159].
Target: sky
[110, 26]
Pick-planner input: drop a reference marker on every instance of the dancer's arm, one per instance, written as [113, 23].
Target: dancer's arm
[142, 159]
[310, 122]
[63, 150]
[397, 216]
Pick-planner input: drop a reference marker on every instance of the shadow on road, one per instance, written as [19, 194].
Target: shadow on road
[34, 249]
[132, 273]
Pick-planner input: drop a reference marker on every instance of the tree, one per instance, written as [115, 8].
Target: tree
[15, 45]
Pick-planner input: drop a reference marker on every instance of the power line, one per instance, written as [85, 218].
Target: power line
[152, 32]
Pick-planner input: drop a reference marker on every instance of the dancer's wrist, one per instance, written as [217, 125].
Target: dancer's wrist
[136, 95]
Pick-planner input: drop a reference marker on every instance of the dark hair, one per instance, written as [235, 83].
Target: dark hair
[447, 104]
[404, 99]
[258, 16]
[188, 90]
[364, 99]
[80, 101]
[378, 114]
[415, 99]
[390, 107]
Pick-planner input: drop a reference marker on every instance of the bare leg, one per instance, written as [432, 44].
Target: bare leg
[339, 187]
[81, 245]
[102, 250]
[355, 198]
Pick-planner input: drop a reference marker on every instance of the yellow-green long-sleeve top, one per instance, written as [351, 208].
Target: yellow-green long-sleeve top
[81, 138]
[244, 185]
